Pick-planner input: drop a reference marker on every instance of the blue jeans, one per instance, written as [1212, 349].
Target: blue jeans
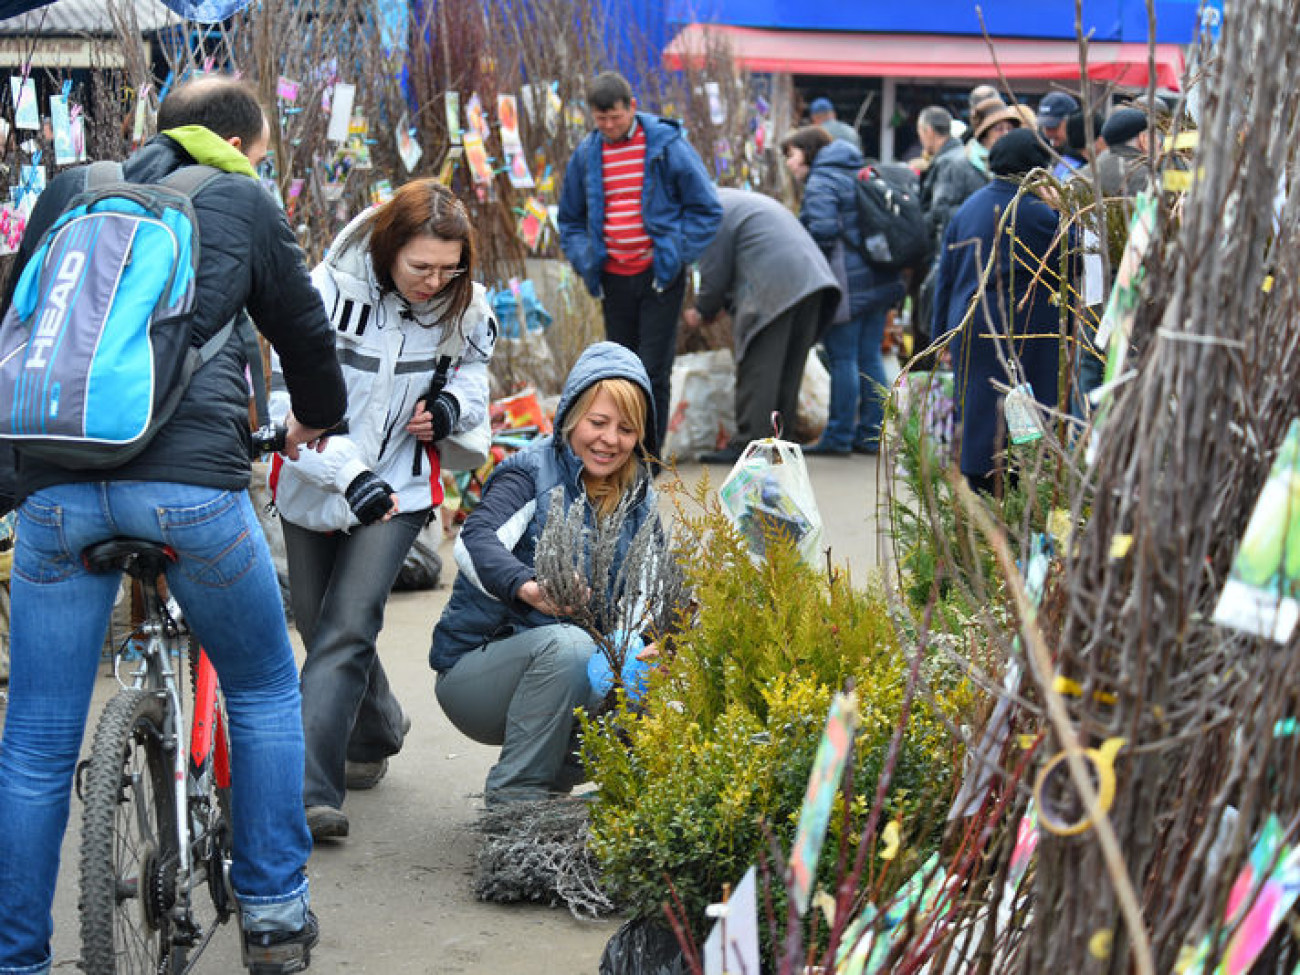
[225, 583]
[858, 380]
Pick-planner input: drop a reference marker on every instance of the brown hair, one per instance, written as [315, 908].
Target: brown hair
[607, 492]
[810, 140]
[424, 207]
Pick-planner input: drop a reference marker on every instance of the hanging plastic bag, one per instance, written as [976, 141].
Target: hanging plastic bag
[814, 399]
[768, 494]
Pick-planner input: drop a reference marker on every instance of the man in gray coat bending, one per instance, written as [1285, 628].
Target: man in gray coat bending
[766, 270]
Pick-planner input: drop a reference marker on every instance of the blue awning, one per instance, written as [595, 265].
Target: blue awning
[202, 11]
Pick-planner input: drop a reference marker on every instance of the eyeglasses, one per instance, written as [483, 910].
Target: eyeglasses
[441, 273]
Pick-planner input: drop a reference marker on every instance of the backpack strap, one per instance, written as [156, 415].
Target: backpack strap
[190, 179]
[253, 354]
[242, 326]
[102, 172]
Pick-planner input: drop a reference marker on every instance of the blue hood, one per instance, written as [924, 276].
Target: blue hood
[840, 155]
[606, 360]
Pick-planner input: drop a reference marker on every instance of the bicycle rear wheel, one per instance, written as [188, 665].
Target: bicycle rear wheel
[128, 842]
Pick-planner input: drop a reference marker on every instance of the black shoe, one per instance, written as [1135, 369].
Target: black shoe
[870, 448]
[281, 952]
[821, 448]
[367, 775]
[727, 455]
[326, 823]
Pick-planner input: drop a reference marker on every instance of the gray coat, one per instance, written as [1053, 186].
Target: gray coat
[949, 181]
[761, 263]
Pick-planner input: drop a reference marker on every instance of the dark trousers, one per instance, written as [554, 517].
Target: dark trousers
[770, 374]
[338, 585]
[644, 319]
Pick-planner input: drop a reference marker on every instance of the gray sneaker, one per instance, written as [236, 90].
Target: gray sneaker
[281, 952]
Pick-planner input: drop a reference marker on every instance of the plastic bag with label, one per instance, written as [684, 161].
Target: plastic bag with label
[768, 494]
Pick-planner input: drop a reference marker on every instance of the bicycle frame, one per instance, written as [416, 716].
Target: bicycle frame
[193, 749]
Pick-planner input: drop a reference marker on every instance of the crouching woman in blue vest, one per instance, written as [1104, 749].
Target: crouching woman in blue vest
[511, 670]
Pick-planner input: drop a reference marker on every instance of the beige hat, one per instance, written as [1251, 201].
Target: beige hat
[988, 113]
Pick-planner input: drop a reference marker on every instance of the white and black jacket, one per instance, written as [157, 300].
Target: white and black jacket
[389, 351]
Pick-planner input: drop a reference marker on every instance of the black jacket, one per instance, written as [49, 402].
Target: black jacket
[247, 258]
[950, 179]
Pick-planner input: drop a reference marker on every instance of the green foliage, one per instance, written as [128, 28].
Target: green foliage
[725, 739]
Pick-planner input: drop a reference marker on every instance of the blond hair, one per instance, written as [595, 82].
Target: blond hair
[606, 492]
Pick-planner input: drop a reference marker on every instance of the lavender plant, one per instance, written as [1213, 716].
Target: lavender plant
[614, 593]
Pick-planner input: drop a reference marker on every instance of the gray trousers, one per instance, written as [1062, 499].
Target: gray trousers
[520, 693]
[769, 376]
[338, 585]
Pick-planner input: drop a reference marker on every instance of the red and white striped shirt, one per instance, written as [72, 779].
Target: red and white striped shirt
[627, 245]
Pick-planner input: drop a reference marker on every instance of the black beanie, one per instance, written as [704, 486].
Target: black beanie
[1122, 125]
[1017, 152]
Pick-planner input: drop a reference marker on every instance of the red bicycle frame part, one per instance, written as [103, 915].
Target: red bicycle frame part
[208, 727]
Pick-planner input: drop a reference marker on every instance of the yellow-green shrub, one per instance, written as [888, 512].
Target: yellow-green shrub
[726, 736]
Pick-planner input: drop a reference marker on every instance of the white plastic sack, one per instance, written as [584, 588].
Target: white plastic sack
[814, 398]
[768, 491]
[702, 415]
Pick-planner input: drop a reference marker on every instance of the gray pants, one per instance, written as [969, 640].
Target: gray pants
[338, 585]
[520, 693]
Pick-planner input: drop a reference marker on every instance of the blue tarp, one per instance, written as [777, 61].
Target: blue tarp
[202, 11]
[1107, 20]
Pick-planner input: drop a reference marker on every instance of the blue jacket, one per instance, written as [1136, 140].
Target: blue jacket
[830, 212]
[1034, 324]
[679, 206]
[498, 542]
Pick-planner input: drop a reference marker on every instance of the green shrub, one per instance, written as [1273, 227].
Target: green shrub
[725, 739]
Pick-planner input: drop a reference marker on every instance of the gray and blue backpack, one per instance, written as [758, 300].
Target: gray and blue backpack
[97, 349]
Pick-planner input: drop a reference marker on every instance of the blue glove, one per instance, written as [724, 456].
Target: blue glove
[635, 672]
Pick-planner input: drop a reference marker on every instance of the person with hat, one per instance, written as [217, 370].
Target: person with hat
[1018, 322]
[990, 120]
[822, 113]
[1053, 112]
[1123, 168]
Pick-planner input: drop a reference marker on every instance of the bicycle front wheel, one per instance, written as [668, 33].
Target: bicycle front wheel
[128, 842]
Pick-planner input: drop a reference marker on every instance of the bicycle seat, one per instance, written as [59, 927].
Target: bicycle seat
[138, 557]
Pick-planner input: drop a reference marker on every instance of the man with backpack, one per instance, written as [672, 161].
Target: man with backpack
[186, 486]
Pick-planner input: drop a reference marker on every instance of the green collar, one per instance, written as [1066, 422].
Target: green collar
[210, 149]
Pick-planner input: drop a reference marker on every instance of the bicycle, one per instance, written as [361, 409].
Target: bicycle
[156, 800]
[156, 793]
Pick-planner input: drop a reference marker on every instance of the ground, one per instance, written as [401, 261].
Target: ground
[395, 898]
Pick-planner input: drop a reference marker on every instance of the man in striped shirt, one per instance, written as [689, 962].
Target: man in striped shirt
[636, 208]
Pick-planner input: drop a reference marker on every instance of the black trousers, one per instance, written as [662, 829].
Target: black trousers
[770, 374]
[645, 320]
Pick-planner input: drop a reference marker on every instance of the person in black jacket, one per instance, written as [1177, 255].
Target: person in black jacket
[187, 489]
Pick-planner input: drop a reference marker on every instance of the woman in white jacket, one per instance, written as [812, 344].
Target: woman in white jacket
[414, 334]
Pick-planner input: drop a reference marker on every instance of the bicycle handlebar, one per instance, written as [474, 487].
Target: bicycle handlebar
[271, 439]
